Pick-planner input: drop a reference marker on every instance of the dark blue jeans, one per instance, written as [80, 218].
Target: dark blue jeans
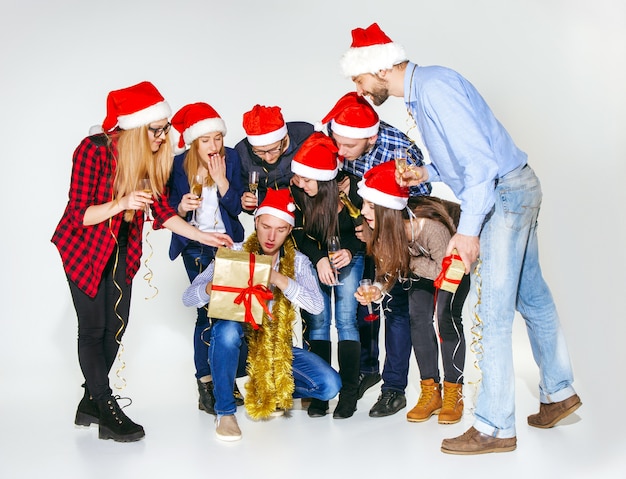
[397, 338]
[196, 258]
[369, 331]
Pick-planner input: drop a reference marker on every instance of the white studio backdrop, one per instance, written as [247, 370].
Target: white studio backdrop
[552, 70]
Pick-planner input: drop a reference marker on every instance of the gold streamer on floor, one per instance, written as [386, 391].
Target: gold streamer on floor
[476, 346]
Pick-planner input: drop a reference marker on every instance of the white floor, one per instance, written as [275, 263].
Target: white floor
[38, 438]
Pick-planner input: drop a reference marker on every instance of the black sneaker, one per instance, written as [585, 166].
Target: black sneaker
[366, 381]
[389, 402]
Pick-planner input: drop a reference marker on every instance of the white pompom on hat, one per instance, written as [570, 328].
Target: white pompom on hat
[278, 203]
[135, 106]
[371, 51]
[196, 119]
[316, 158]
[353, 117]
[380, 187]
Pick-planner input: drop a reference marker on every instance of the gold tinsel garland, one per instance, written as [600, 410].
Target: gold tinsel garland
[270, 385]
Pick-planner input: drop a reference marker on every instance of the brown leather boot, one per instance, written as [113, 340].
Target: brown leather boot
[550, 414]
[452, 407]
[429, 402]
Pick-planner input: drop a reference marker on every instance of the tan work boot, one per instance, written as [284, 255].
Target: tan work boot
[226, 428]
[429, 402]
[452, 408]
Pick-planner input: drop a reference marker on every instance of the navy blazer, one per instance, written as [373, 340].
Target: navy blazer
[230, 203]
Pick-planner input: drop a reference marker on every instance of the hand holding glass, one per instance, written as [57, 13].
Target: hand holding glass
[196, 189]
[367, 292]
[253, 182]
[144, 185]
[399, 156]
[333, 247]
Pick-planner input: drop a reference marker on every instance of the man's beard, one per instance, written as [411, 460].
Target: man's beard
[379, 94]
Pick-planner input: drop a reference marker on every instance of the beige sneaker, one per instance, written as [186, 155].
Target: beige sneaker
[227, 429]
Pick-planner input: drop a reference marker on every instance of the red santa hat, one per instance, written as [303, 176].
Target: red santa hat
[371, 51]
[316, 158]
[278, 203]
[197, 119]
[380, 187]
[264, 125]
[352, 117]
[135, 106]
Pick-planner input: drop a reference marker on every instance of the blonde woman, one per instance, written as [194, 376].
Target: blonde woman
[216, 209]
[99, 238]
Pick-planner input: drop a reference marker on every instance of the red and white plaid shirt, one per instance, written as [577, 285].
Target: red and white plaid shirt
[85, 250]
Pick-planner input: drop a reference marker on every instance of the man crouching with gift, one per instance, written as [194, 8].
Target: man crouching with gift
[277, 370]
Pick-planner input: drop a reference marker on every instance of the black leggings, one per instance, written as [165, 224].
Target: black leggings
[451, 336]
[99, 327]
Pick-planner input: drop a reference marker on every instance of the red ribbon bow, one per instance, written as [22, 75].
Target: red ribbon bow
[260, 291]
[445, 264]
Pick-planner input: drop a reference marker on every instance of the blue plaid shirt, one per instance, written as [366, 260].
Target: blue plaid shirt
[389, 138]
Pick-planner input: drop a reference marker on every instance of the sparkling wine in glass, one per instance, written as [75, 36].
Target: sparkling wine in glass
[367, 292]
[253, 182]
[333, 247]
[399, 156]
[196, 189]
[145, 186]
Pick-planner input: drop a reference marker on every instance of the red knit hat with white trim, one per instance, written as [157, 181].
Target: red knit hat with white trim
[135, 106]
[264, 125]
[316, 159]
[380, 187]
[278, 203]
[197, 119]
[353, 117]
[371, 51]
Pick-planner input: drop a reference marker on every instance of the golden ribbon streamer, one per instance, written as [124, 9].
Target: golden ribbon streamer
[120, 350]
[476, 346]
[150, 274]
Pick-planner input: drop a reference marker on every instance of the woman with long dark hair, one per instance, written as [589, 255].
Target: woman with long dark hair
[315, 168]
[409, 244]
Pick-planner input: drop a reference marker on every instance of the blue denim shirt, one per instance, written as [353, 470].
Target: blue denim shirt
[469, 148]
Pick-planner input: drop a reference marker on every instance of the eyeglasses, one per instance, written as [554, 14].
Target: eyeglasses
[159, 131]
[277, 150]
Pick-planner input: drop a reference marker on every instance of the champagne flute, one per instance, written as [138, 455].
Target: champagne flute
[399, 156]
[367, 292]
[253, 183]
[196, 189]
[333, 247]
[145, 186]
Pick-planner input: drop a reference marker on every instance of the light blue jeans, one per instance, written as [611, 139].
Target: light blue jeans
[510, 279]
[345, 305]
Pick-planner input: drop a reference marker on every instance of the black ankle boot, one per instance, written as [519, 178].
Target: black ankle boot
[317, 408]
[114, 424]
[349, 354]
[87, 412]
[206, 399]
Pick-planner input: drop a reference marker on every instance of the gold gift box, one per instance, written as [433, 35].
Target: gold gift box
[453, 275]
[231, 279]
